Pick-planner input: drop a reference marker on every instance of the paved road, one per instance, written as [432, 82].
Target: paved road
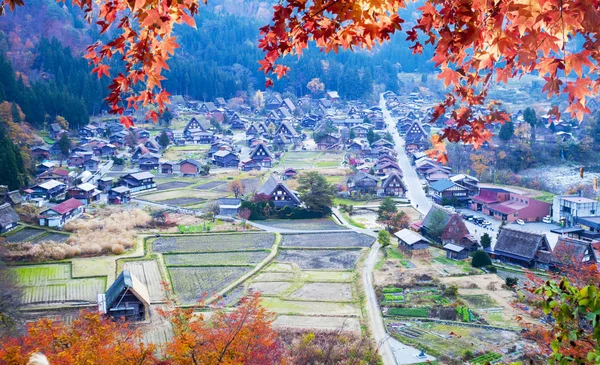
[415, 193]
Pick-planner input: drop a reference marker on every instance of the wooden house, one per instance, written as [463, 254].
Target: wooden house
[410, 241]
[166, 168]
[527, 249]
[105, 183]
[225, 158]
[208, 107]
[85, 193]
[148, 161]
[40, 152]
[139, 181]
[261, 155]
[416, 138]
[9, 219]
[289, 173]
[362, 183]
[570, 252]
[61, 175]
[119, 195]
[289, 105]
[446, 192]
[62, 213]
[279, 193]
[249, 165]
[126, 299]
[393, 185]
[190, 167]
[50, 189]
[455, 252]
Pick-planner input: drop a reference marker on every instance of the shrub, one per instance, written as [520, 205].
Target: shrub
[467, 355]
[491, 268]
[511, 282]
[450, 291]
[481, 259]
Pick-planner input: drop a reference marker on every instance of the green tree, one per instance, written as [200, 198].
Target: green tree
[481, 259]
[352, 134]
[64, 146]
[387, 208]
[163, 139]
[384, 238]
[316, 192]
[371, 136]
[530, 117]
[13, 172]
[437, 223]
[506, 131]
[14, 112]
[166, 118]
[10, 300]
[486, 240]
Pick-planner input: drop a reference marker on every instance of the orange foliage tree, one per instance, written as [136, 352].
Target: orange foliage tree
[89, 339]
[476, 42]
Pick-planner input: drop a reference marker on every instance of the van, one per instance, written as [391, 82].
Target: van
[547, 219]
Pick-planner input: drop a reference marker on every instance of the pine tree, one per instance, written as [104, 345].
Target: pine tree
[163, 139]
[506, 131]
[14, 112]
[9, 162]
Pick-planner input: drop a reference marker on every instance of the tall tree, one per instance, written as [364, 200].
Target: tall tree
[436, 224]
[13, 172]
[163, 139]
[530, 117]
[64, 146]
[506, 131]
[237, 188]
[387, 208]
[316, 192]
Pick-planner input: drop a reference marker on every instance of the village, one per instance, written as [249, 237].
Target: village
[205, 200]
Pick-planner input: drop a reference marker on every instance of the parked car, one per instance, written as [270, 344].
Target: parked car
[547, 219]
[450, 208]
[520, 222]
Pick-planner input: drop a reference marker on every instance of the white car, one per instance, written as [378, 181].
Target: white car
[450, 208]
[520, 222]
[547, 219]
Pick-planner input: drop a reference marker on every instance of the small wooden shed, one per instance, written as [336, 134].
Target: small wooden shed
[126, 298]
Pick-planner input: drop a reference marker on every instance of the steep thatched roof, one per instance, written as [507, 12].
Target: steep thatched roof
[520, 243]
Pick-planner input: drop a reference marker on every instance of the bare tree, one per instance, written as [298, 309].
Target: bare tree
[237, 188]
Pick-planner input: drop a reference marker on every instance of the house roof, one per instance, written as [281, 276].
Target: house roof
[222, 153]
[50, 184]
[120, 189]
[460, 177]
[142, 175]
[454, 248]
[86, 187]
[569, 250]
[7, 215]
[126, 281]
[507, 207]
[442, 185]
[577, 199]
[263, 147]
[192, 162]
[434, 208]
[520, 243]
[66, 206]
[391, 178]
[410, 237]
[272, 183]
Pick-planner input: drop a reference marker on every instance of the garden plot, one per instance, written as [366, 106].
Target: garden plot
[191, 284]
[162, 196]
[149, 274]
[324, 224]
[53, 284]
[453, 341]
[291, 307]
[240, 258]
[172, 185]
[270, 288]
[51, 236]
[183, 201]
[321, 259]
[324, 292]
[317, 323]
[210, 185]
[24, 235]
[312, 159]
[275, 276]
[338, 240]
[218, 242]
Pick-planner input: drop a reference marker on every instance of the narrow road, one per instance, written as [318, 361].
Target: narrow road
[415, 193]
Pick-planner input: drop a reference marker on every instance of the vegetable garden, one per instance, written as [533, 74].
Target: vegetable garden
[334, 239]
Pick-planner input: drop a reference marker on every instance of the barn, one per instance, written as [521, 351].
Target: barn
[126, 298]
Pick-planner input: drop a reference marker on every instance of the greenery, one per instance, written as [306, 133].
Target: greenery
[486, 240]
[487, 358]
[437, 223]
[511, 281]
[409, 312]
[163, 139]
[506, 131]
[481, 259]
[383, 237]
[13, 172]
[386, 209]
[316, 192]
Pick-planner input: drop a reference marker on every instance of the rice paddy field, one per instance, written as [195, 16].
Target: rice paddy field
[321, 259]
[338, 240]
[241, 258]
[195, 283]
[53, 284]
[24, 235]
[217, 242]
[324, 224]
[312, 159]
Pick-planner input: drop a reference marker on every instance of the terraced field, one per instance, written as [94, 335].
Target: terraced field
[194, 283]
[213, 242]
[52, 284]
[241, 258]
[24, 235]
[304, 224]
[321, 259]
[333, 239]
[51, 236]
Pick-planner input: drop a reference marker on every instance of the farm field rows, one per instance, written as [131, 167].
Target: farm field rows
[320, 259]
[310, 159]
[194, 283]
[304, 224]
[52, 284]
[334, 239]
[24, 235]
[217, 242]
[245, 258]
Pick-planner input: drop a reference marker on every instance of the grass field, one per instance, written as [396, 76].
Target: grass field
[312, 159]
[52, 284]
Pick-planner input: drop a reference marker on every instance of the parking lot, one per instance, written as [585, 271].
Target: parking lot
[492, 229]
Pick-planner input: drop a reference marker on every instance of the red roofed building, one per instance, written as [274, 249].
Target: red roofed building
[60, 214]
[61, 175]
[505, 205]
